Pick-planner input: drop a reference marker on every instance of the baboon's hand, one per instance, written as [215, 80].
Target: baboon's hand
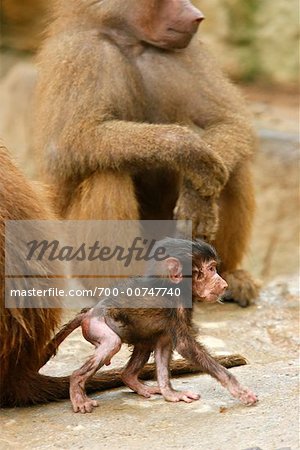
[203, 211]
[206, 172]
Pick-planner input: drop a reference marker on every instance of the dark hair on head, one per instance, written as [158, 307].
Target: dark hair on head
[205, 251]
[184, 249]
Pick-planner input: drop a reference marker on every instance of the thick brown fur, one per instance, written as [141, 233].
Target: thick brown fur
[24, 332]
[133, 129]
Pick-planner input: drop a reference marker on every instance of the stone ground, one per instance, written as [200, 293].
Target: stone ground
[267, 334]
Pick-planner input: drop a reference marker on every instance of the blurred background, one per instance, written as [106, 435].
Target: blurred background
[257, 44]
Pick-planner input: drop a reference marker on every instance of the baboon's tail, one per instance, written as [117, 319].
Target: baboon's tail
[52, 346]
[36, 388]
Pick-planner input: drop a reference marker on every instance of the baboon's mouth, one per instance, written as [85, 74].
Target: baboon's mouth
[173, 30]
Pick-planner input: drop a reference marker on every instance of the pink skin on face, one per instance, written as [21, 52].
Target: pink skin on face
[208, 285]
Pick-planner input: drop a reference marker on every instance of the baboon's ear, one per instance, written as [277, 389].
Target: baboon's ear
[174, 268]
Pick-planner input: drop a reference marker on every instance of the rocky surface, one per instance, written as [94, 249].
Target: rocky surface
[275, 239]
[266, 333]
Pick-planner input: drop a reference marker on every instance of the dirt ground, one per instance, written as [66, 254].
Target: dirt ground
[267, 334]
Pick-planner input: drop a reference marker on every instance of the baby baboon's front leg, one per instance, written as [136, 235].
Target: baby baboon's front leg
[190, 349]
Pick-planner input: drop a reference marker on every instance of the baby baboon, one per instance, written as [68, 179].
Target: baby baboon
[135, 320]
